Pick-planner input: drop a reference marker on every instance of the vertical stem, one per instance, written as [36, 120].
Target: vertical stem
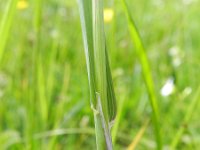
[100, 139]
[101, 74]
[99, 53]
[91, 14]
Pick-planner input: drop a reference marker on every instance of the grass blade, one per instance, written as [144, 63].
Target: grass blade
[186, 120]
[112, 106]
[120, 109]
[138, 137]
[6, 23]
[146, 72]
[85, 8]
[38, 60]
[99, 74]
[100, 55]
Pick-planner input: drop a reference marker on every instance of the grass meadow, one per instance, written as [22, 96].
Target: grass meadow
[153, 49]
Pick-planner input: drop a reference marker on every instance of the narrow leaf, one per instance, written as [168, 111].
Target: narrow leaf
[6, 23]
[188, 116]
[99, 75]
[140, 50]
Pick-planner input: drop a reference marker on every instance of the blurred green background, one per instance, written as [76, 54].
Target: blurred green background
[44, 95]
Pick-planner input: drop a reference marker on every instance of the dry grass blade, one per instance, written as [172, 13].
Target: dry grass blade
[138, 137]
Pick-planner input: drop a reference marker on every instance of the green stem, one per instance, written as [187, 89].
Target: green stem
[99, 75]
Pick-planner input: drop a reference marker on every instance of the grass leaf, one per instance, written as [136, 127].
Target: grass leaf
[186, 120]
[6, 23]
[141, 54]
[103, 100]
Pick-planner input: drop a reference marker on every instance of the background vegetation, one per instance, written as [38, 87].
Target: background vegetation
[44, 93]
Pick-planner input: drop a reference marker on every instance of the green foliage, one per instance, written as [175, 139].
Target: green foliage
[44, 94]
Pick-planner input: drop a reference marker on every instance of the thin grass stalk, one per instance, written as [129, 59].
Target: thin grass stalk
[60, 106]
[103, 76]
[6, 23]
[141, 54]
[99, 54]
[188, 116]
[39, 67]
[85, 8]
[99, 75]
[138, 136]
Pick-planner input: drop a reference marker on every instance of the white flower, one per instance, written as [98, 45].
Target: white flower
[168, 87]
[174, 51]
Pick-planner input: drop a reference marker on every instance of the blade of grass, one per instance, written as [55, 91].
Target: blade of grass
[186, 120]
[100, 55]
[141, 54]
[85, 8]
[138, 137]
[99, 74]
[103, 78]
[6, 23]
[112, 106]
[118, 116]
[38, 61]
[42, 92]
[37, 87]
[15, 138]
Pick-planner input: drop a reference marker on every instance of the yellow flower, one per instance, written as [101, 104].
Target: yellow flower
[108, 15]
[22, 4]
